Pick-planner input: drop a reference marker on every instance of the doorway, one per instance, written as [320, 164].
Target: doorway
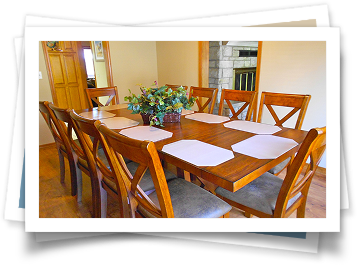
[72, 67]
[234, 65]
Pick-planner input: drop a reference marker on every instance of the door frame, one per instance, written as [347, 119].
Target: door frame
[108, 63]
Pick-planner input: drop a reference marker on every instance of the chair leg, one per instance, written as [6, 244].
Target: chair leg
[248, 215]
[62, 166]
[103, 202]
[225, 215]
[79, 184]
[96, 200]
[301, 210]
[73, 169]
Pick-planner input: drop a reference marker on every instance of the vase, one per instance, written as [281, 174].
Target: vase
[169, 117]
[146, 117]
[172, 117]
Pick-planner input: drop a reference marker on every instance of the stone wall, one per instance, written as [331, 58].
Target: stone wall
[222, 60]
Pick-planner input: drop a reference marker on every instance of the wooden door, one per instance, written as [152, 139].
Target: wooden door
[67, 74]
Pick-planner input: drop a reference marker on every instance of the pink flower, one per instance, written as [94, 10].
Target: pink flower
[155, 83]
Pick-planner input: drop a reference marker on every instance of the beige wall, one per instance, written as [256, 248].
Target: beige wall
[133, 63]
[177, 62]
[298, 68]
[145, 62]
[44, 95]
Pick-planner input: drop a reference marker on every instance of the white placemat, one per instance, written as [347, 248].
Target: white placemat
[97, 114]
[119, 123]
[186, 112]
[114, 107]
[264, 146]
[207, 118]
[146, 133]
[198, 153]
[253, 127]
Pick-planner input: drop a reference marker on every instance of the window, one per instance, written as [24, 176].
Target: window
[88, 58]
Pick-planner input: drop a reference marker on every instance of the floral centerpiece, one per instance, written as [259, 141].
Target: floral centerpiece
[156, 102]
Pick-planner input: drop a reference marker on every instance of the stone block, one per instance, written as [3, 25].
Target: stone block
[212, 64]
[214, 53]
[238, 64]
[223, 81]
[225, 64]
[227, 51]
[253, 61]
[213, 72]
[214, 43]
[227, 72]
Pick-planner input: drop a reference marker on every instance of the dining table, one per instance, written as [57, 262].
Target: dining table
[232, 174]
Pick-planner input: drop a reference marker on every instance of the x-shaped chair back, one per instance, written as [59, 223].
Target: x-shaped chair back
[295, 101]
[203, 92]
[237, 95]
[95, 93]
[145, 154]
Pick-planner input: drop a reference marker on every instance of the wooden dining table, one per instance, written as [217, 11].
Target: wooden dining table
[232, 174]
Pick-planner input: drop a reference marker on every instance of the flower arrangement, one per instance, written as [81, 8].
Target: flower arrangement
[158, 101]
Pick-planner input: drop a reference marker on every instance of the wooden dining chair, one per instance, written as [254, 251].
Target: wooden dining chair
[95, 163]
[95, 93]
[70, 131]
[247, 97]
[63, 145]
[173, 198]
[201, 93]
[174, 87]
[269, 196]
[295, 101]
[66, 132]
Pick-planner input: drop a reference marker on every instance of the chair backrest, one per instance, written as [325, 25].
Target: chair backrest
[94, 93]
[90, 140]
[236, 95]
[66, 125]
[313, 147]
[295, 101]
[204, 92]
[51, 121]
[174, 87]
[145, 154]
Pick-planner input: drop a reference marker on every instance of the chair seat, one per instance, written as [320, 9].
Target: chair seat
[191, 201]
[261, 194]
[279, 167]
